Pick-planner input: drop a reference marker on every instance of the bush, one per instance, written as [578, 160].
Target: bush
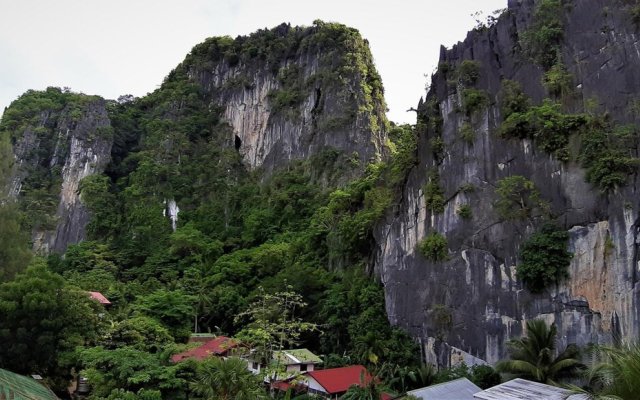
[466, 133]
[607, 153]
[541, 42]
[468, 72]
[544, 258]
[473, 100]
[558, 81]
[433, 194]
[437, 146]
[434, 247]
[517, 198]
[464, 211]
[546, 125]
[513, 99]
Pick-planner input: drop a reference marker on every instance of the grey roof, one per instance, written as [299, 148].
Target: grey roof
[459, 389]
[522, 389]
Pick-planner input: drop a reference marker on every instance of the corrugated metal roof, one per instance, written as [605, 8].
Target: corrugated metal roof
[459, 389]
[522, 389]
[18, 387]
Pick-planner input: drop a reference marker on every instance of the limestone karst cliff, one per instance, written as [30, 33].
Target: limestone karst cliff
[277, 141]
[587, 70]
[272, 97]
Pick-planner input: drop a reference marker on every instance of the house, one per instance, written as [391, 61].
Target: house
[459, 389]
[99, 297]
[299, 360]
[334, 382]
[19, 387]
[220, 346]
[292, 361]
[522, 389]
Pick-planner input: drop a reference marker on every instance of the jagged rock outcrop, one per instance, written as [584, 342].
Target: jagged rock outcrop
[476, 287]
[54, 150]
[319, 90]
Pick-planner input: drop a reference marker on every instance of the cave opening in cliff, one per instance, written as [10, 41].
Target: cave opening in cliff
[238, 143]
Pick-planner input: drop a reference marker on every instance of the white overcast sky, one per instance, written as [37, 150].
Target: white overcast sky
[114, 47]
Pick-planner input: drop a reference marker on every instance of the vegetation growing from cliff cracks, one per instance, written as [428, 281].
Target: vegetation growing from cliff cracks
[606, 151]
[468, 72]
[434, 247]
[542, 40]
[464, 211]
[518, 198]
[544, 259]
[474, 100]
[433, 193]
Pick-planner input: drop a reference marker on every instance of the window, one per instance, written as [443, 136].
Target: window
[303, 367]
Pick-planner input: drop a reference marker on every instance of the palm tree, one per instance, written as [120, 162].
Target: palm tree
[617, 373]
[532, 356]
[219, 379]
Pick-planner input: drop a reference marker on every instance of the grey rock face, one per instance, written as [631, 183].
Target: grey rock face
[477, 285]
[82, 148]
[329, 115]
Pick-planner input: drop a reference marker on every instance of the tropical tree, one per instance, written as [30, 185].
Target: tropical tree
[220, 379]
[533, 356]
[42, 320]
[273, 322]
[617, 373]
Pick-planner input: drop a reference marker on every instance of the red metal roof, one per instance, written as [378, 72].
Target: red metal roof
[338, 380]
[215, 347]
[100, 297]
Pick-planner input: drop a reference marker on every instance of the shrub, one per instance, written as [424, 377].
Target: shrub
[558, 81]
[466, 133]
[468, 72]
[513, 99]
[517, 198]
[464, 211]
[541, 42]
[546, 125]
[607, 153]
[433, 194]
[544, 258]
[434, 247]
[467, 188]
[473, 100]
[437, 146]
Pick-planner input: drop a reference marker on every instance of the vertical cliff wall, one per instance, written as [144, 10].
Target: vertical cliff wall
[291, 92]
[58, 139]
[472, 298]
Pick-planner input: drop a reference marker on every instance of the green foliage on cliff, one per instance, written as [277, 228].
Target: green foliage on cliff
[541, 41]
[606, 151]
[544, 259]
[468, 72]
[434, 194]
[547, 125]
[474, 100]
[518, 198]
[512, 99]
[558, 81]
[434, 247]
